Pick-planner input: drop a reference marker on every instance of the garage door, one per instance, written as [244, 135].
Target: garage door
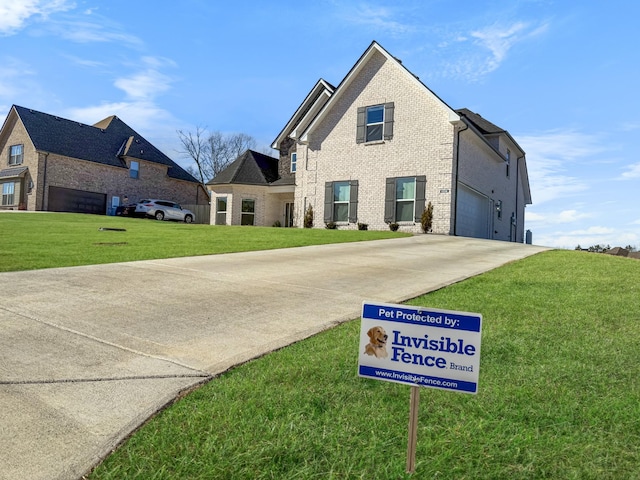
[473, 213]
[76, 201]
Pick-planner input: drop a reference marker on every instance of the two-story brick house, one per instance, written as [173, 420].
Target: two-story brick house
[381, 146]
[54, 164]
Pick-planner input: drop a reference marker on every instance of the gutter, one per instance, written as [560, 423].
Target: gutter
[455, 185]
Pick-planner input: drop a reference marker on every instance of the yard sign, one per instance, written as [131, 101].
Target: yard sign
[420, 346]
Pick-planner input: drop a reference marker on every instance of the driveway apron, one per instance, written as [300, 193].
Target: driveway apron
[87, 354]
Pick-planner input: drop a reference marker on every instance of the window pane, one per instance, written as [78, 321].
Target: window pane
[406, 188]
[221, 218]
[341, 191]
[248, 206]
[340, 212]
[374, 132]
[221, 204]
[375, 114]
[246, 219]
[404, 211]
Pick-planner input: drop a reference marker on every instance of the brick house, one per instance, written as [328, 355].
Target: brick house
[54, 164]
[381, 146]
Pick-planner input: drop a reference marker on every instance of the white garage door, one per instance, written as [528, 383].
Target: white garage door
[473, 213]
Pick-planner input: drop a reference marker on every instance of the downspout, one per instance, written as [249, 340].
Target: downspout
[455, 186]
[44, 181]
[517, 185]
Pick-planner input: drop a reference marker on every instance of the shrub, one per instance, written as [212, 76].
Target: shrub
[331, 226]
[394, 226]
[308, 217]
[363, 226]
[427, 218]
[277, 224]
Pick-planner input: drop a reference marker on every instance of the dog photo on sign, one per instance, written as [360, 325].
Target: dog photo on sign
[377, 345]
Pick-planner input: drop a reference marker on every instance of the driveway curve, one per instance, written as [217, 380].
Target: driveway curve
[87, 354]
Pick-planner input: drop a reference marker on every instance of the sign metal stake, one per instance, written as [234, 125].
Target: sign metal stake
[413, 429]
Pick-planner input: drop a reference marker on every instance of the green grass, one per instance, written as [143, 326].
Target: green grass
[45, 240]
[559, 394]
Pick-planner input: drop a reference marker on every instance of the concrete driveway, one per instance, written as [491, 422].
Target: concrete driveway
[87, 354]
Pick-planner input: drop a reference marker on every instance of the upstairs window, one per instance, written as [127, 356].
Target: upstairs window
[134, 170]
[294, 162]
[508, 161]
[375, 123]
[16, 154]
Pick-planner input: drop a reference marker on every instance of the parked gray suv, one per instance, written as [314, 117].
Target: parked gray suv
[164, 210]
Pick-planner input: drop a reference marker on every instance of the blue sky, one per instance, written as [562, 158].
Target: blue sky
[561, 76]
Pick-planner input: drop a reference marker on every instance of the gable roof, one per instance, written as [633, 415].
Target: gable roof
[308, 109]
[250, 168]
[353, 73]
[107, 142]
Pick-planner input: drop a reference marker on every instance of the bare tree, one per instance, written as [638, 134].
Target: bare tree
[212, 152]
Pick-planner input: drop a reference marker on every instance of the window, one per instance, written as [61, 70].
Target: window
[7, 193]
[508, 161]
[16, 154]
[404, 199]
[221, 211]
[294, 161]
[248, 211]
[134, 169]
[341, 201]
[375, 123]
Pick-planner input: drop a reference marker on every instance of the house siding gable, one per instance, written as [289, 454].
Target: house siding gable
[422, 144]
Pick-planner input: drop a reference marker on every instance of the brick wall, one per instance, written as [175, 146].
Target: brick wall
[422, 144]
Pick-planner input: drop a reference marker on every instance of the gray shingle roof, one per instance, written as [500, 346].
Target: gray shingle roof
[12, 172]
[485, 126]
[250, 168]
[103, 143]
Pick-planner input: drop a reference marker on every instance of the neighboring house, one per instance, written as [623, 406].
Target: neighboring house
[376, 150]
[54, 164]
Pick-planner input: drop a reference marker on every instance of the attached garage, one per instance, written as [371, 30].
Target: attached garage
[76, 201]
[473, 213]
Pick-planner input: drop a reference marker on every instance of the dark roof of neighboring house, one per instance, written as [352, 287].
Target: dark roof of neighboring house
[250, 168]
[106, 142]
[485, 126]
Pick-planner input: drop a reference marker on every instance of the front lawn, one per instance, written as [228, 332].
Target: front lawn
[44, 240]
[559, 394]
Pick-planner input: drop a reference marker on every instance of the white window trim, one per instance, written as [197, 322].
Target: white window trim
[406, 200]
[367, 125]
[294, 162]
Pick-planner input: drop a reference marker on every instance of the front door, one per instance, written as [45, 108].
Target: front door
[288, 214]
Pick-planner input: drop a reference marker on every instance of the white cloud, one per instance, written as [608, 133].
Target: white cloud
[471, 62]
[373, 17]
[551, 159]
[554, 218]
[633, 171]
[14, 14]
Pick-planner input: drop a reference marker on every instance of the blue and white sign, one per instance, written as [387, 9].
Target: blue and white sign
[420, 346]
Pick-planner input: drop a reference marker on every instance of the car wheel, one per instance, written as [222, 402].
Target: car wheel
[159, 215]
[188, 219]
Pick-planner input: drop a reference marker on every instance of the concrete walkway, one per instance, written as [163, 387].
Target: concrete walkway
[87, 354]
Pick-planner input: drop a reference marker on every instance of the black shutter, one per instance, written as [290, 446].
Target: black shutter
[388, 120]
[353, 201]
[390, 201]
[362, 120]
[421, 183]
[328, 202]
